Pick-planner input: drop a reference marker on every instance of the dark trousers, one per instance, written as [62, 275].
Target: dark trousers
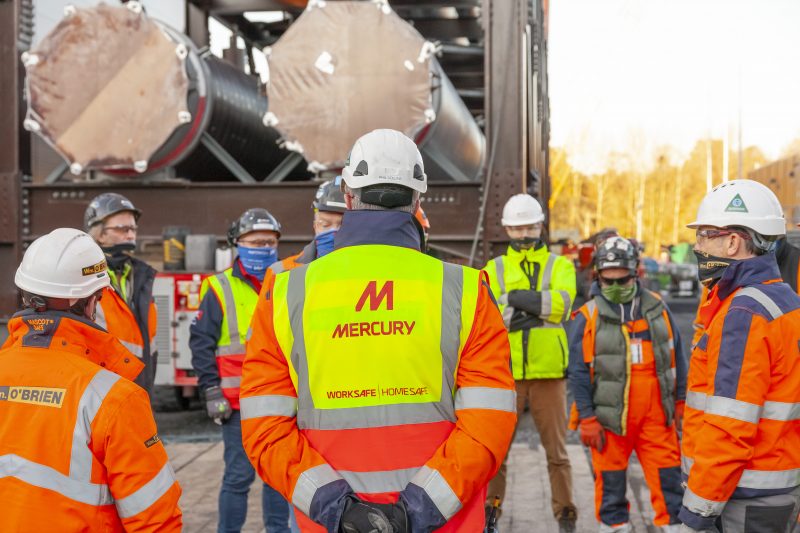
[239, 475]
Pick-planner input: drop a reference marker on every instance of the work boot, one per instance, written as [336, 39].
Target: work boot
[567, 520]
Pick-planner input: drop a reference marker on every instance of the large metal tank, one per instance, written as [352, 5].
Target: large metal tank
[112, 89]
[345, 68]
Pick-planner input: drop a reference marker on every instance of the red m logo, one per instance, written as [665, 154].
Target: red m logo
[375, 297]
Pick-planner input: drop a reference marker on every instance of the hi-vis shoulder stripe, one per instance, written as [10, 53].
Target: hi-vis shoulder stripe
[47, 396]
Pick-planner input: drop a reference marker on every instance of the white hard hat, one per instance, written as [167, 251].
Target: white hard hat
[65, 263]
[385, 157]
[745, 203]
[522, 210]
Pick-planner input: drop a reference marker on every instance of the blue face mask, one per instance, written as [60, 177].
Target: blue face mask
[256, 260]
[324, 242]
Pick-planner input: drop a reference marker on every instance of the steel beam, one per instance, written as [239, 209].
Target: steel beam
[513, 126]
[210, 207]
[10, 158]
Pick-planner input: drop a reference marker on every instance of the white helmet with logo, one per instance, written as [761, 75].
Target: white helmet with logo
[522, 210]
[384, 157]
[743, 203]
[65, 263]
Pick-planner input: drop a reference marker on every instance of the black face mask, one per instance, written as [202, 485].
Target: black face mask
[119, 254]
[710, 268]
[526, 243]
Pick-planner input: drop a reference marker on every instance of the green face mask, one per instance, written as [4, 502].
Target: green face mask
[619, 294]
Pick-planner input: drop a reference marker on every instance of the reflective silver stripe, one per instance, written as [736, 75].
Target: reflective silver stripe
[267, 405]
[277, 267]
[686, 464]
[508, 312]
[696, 400]
[382, 481]
[547, 276]
[230, 382]
[771, 307]
[501, 272]
[731, 408]
[757, 479]
[443, 496]
[770, 479]
[231, 349]
[80, 461]
[567, 304]
[44, 477]
[134, 348]
[308, 483]
[295, 302]
[100, 316]
[701, 506]
[230, 311]
[147, 494]
[450, 335]
[374, 416]
[547, 304]
[781, 411]
[486, 398]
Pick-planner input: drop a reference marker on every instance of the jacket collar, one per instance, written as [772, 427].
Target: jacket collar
[308, 254]
[66, 332]
[239, 272]
[532, 255]
[392, 228]
[747, 272]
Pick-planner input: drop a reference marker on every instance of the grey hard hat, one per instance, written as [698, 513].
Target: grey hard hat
[616, 252]
[330, 198]
[105, 205]
[254, 219]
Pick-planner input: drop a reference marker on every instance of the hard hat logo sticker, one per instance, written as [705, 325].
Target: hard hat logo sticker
[736, 205]
[94, 269]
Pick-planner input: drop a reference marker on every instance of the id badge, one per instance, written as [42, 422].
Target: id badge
[636, 351]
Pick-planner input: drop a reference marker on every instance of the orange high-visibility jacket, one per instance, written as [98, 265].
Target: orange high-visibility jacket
[115, 316]
[308, 254]
[741, 433]
[79, 449]
[449, 459]
[788, 258]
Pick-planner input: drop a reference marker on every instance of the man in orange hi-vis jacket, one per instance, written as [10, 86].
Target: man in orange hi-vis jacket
[741, 440]
[376, 392]
[79, 449]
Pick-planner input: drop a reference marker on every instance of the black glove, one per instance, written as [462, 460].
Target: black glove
[217, 406]
[527, 300]
[366, 517]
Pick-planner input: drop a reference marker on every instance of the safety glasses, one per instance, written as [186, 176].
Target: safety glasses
[616, 281]
[121, 229]
[716, 233]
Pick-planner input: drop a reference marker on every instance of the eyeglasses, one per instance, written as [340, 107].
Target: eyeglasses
[259, 243]
[716, 233]
[121, 229]
[616, 281]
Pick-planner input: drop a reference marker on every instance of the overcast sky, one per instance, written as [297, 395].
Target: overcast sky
[635, 74]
